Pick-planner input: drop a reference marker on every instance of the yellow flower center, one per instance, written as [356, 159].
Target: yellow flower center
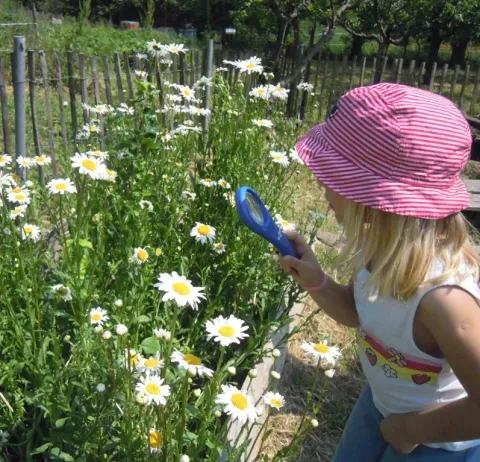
[226, 331]
[208, 180]
[17, 190]
[275, 402]
[142, 255]
[152, 362]
[155, 439]
[17, 211]
[20, 197]
[158, 252]
[277, 157]
[204, 230]
[285, 223]
[16, 178]
[25, 162]
[219, 246]
[321, 348]
[181, 288]
[61, 186]
[89, 165]
[2, 159]
[174, 49]
[187, 92]
[153, 388]
[251, 66]
[28, 230]
[261, 91]
[99, 108]
[40, 159]
[280, 89]
[239, 401]
[111, 172]
[96, 317]
[92, 128]
[192, 359]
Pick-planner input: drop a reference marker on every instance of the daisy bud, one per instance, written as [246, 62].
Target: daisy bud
[29, 184]
[276, 353]
[197, 392]
[192, 371]
[314, 423]
[118, 303]
[330, 373]
[275, 375]
[73, 210]
[98, 329]
[158, 251]
[190, 381]
[95, 297]
[121, 329]
[252, 373]
[184, 458]
[67, 338]
[107, 335]
[100, 387]
[141, 398]
[218, 414]
[96, 218]
[231, 370]
[259, 410]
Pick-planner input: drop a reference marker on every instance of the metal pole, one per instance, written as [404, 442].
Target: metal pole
[19, 99]
[208, 68]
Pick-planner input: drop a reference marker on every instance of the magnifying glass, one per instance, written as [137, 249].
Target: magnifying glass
[254, 214]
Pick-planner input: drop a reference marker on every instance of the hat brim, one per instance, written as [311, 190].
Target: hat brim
[357, 183]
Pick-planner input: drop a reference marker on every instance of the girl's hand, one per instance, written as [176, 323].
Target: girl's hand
[306, 271]
[394, 429]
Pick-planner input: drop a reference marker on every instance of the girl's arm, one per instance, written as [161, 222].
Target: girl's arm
[335, 299]
[453, 318]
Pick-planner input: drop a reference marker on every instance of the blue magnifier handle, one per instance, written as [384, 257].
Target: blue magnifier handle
[255, 215]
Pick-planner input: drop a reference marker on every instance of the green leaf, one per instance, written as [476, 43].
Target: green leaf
[149, 345]
[62, 455]
[143, 319]
[190, 437]
[61, 422]
[194, 411]
[85, 243]
[41, 449]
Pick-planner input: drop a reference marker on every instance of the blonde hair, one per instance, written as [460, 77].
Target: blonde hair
[399, 250]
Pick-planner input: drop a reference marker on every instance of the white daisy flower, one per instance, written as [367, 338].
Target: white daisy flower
[140, 255]
[88, 165]
[203, 233]
[250, 65]
[18, 211]
[284, 225]
[141, 56]
[230, 196]
[293, 154]
[189, 195]
[125, 109]
[180, 289]
[188, 360]
[43, 160]
[61, 186]
[305, 86]
[98, 316]
[204, 81]
[166, 138]
[101, 109]
[219, 247]
[152, 364]
[200, 111]
[260, 92]
[221, 69]
[277, 91]
[109, 175]
[162, 334]
[132, 358]
[226, 330]
[25, 162]
[5, 160]
[187, 92]
[175, 48]
[237, 404]
[6, 180]
[31, 232]
[19, 195]
[223, 183]
[263, 123]
[141, 74]
[121, 329]
[280, 157]
[155, 441]
[62, 291]
[144, 204]
[208, 182]
[154, 389]
[102, 155]
[275, 400]
[174, 98]
[321, 351]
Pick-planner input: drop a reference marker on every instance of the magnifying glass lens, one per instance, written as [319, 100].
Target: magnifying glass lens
[254, 209]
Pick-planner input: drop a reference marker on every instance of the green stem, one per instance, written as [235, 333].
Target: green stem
[181, 429]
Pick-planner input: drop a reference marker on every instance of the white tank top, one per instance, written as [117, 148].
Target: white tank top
[402, 377]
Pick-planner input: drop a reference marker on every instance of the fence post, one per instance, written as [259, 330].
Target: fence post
[35, 20]
[208, 65]
[18, 58]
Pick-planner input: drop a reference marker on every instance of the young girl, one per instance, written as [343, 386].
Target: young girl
[389, 158]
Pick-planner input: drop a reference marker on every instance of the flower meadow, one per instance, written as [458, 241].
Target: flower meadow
[134, 303]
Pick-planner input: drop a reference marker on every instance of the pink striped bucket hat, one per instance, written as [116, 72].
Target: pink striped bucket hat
[395, 148]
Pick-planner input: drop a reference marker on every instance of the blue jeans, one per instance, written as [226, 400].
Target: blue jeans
[362, 440]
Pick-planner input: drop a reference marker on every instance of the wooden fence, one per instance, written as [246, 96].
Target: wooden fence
[56, 87]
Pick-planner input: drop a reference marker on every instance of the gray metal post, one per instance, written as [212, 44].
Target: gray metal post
[19, 98]
[207, 71]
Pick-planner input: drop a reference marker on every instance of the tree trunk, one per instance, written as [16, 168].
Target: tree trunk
[433, 47]
[277, 50]
[460, 45]
[356, 46]
[382, 51]
[303, 103]
[295, 59]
